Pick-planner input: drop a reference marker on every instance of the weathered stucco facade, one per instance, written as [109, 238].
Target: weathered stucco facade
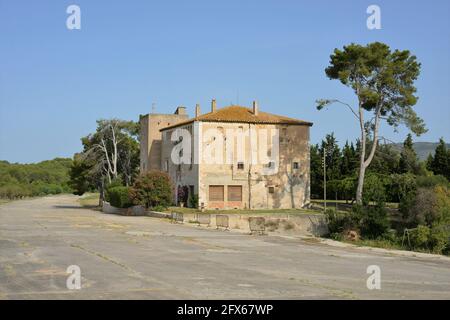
[242, 179]
[150, 144]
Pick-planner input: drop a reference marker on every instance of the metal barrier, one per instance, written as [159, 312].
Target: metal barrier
[203, 218]
[257, 224]
[177, 217]
[222, 221]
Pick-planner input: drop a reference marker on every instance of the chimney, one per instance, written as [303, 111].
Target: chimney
[197, 110]
[213, 105]
[180, 110]
[255, 107]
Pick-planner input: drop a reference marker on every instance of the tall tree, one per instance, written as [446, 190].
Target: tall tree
[332, 156]
[440, 162]
[112, 152]
[385, 160]
[316, 171]
[349, 160]
[408, 158]
[383, 81]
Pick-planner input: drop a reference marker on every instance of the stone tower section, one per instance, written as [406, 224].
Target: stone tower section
[150, 136]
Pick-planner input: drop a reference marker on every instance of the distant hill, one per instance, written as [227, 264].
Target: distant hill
[423, 149]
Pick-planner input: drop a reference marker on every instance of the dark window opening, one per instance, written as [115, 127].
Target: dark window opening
[234, 193]
[216, 193]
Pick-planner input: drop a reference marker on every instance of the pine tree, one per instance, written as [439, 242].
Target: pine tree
[332, 157]
[408, 157]
[316, 171]
[440, 163]
[349, 160]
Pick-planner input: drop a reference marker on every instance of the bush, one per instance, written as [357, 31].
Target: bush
[119, 197]
[193, 201]
[435, 239]
[339, 222]
[374, 189]
[431, 181]
[419, 236]
[429, 206]
[401, 186]
[182, 194]
[159, 208]
[113, 184]
[374, 222]
[152, 189]
[370, 222]
[439, 240]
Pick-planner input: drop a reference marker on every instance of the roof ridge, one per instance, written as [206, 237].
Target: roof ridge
[241, 114]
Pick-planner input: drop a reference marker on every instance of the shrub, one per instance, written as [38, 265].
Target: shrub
[374, 189]
[182, 194]
[159, 208]
[119, 197]
[193, 201]
[152, 189]
[431, 181]
[429, 206]
[419, 236]
[373, 221]
[370, 222]
[435, 239]
[339, 222]
[439, 238]
[401, 186]
[113, 184]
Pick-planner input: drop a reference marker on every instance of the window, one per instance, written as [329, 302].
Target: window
[283, 136]
[295, 165]
[215, 193]
[234, 193]
[270, 164]
[240, 166]
[271, 189]
[166, 165]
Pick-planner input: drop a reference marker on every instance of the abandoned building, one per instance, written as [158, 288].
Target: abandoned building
[179, 145]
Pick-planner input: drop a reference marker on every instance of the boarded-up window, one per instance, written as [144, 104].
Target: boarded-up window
[215, 193]
[234, 193]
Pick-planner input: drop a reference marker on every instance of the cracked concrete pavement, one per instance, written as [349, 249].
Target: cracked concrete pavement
[148, 258]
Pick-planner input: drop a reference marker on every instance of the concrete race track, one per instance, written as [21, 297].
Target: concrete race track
[148, 258]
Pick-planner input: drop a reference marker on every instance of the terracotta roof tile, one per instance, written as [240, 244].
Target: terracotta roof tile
[241, 114]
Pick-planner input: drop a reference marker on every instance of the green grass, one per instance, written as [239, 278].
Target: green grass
[3, 201]
[330, 203]
[385, 244]
[89, 200]
[244, 211]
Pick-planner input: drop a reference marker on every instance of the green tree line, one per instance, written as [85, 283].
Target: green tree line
[421, 189]
[389, 166]
[36, 179]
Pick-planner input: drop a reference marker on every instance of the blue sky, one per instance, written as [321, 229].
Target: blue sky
[55, 82]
